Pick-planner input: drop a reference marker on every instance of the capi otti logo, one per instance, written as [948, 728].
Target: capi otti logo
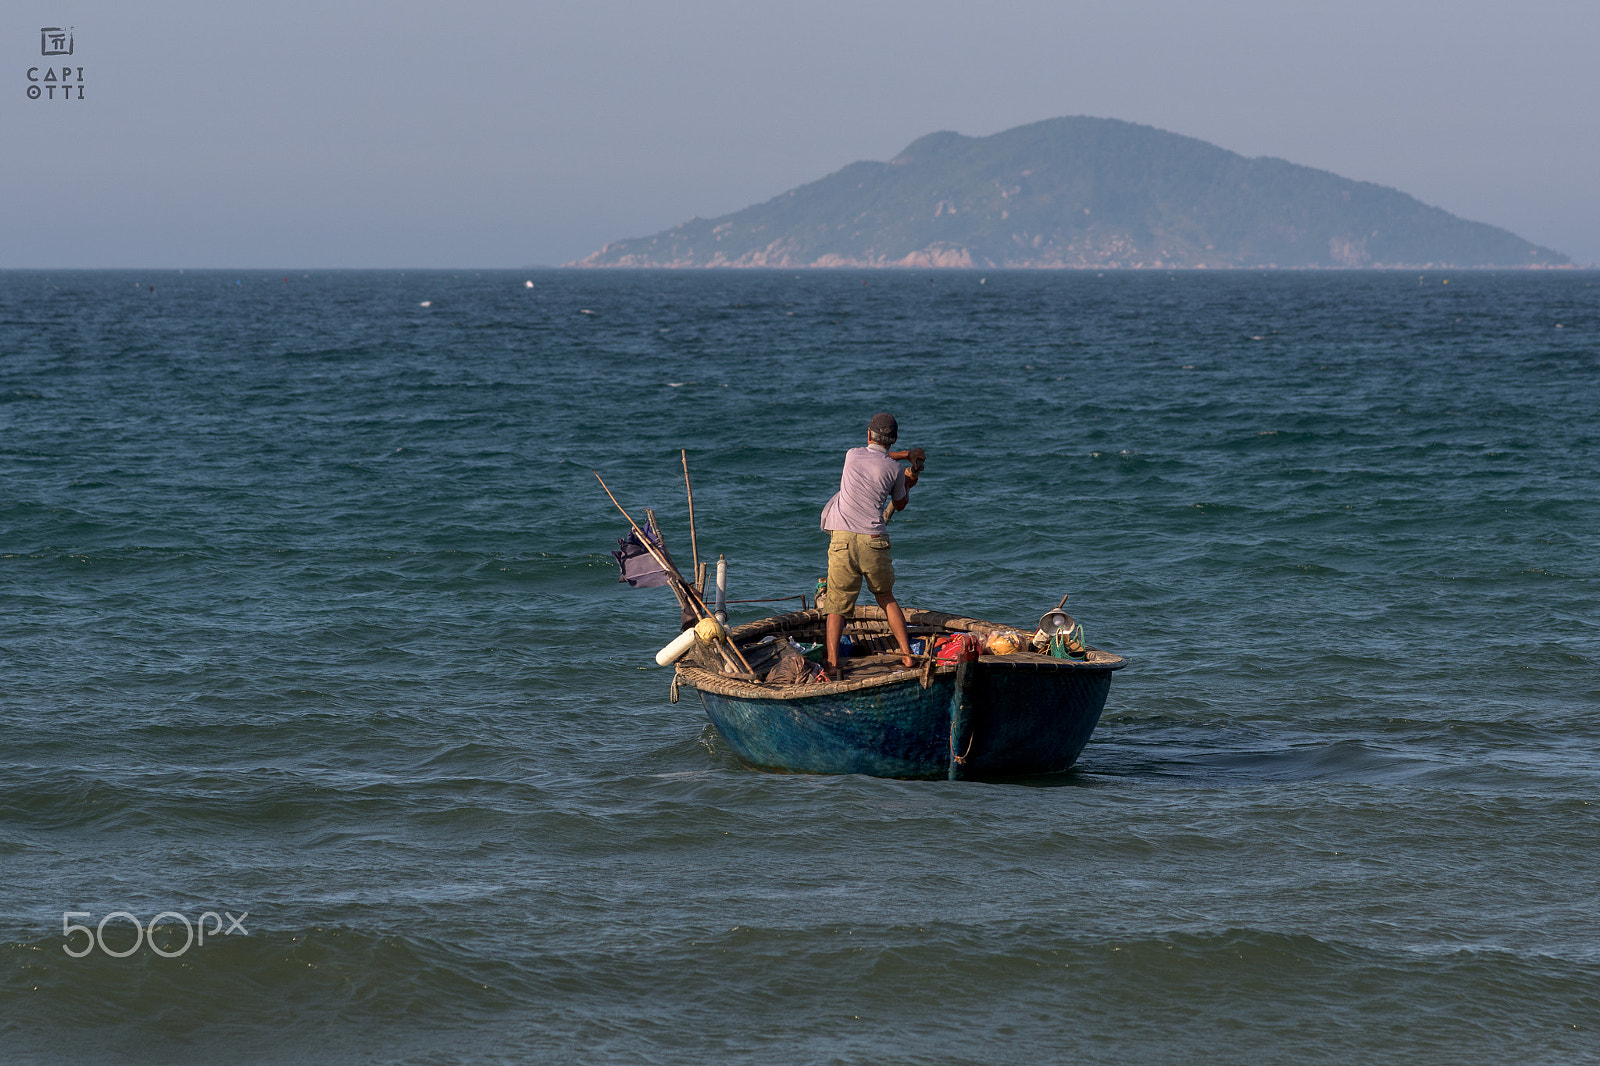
[52, 82]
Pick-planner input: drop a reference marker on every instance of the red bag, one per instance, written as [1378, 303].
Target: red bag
[958, 648]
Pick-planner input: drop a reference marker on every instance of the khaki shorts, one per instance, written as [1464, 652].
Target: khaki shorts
[851, 557]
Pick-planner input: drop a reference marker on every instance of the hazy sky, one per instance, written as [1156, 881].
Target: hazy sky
[400, 134]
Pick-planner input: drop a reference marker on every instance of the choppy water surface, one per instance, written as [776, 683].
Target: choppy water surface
[307, 614]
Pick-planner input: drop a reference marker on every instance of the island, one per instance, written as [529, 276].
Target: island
[1085, 193]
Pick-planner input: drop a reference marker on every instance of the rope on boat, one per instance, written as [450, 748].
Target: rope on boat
[961, 716]
[962, 758]
[804, 603]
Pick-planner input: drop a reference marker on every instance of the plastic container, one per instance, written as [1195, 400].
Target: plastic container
[810, 651]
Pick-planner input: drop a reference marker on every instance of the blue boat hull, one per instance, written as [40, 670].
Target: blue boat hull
[984, 719]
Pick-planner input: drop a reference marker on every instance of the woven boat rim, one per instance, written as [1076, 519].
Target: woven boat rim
[721, 685]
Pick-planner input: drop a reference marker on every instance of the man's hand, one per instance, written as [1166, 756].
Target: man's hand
[916, 455]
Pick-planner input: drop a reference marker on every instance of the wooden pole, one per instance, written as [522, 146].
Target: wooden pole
[695, 602]
[651, 523]
[694, 544]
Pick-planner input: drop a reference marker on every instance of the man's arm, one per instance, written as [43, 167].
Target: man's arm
[917, 457]
[910, 478]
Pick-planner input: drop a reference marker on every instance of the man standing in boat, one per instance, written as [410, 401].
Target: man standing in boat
[856, 520]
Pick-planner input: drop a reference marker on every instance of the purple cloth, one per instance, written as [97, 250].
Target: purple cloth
[870, 479]
[639, 568]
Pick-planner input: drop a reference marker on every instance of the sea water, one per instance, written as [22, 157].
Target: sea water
[310, 636]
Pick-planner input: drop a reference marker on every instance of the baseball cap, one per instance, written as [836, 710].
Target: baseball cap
[884, 425]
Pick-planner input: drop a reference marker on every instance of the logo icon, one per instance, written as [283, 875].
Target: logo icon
[55, 41]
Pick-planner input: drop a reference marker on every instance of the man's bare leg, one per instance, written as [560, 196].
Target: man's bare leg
[897, 625]
[831, 649]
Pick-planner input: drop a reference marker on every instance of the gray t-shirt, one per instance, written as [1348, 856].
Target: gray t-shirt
[870, 479]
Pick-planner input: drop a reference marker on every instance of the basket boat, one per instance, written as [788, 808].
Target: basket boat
[998, 716]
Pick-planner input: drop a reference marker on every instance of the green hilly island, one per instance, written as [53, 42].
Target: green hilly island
[1081, 193]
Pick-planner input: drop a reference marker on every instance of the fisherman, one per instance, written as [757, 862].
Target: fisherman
[857, 520]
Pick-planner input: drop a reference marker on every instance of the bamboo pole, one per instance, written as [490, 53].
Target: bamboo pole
[651, 523]
[694, 544]
[695, 602]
